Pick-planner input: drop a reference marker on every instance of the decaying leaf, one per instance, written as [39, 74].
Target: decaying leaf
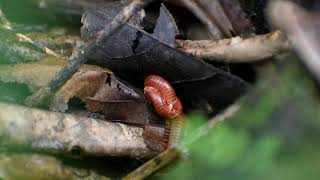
[103, 92]
[96, 86]
[85, 83]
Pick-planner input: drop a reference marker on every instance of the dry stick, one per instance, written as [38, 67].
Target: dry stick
[61, 133]
[124, 16]
[304, 34]
[79, 55]
[198, 11]
[154, 165]
[217, 14]
[176, 150]
[238, 50]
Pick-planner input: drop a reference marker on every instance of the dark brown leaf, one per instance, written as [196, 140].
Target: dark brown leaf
[166, 28]
[197, 82]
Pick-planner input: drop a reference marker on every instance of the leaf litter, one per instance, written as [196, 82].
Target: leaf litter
[117, 120]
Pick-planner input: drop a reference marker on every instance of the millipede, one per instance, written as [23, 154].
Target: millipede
[167, 104]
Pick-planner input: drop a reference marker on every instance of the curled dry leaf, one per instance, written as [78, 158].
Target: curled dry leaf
[96, 86]
[85, 83]
[65, 133]
[103, 92]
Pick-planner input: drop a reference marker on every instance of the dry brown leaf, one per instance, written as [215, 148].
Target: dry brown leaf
[85, 83]
[94, 85]
[103, 92]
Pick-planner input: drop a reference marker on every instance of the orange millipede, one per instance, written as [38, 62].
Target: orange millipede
[162, 96]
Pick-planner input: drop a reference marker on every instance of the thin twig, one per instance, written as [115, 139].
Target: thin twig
[203, 130]
[124, 16]
[237, 49]
[218, 15]
[79, 55]
[74, 62]
[37, 45]
[154, 165]
[199, 12]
